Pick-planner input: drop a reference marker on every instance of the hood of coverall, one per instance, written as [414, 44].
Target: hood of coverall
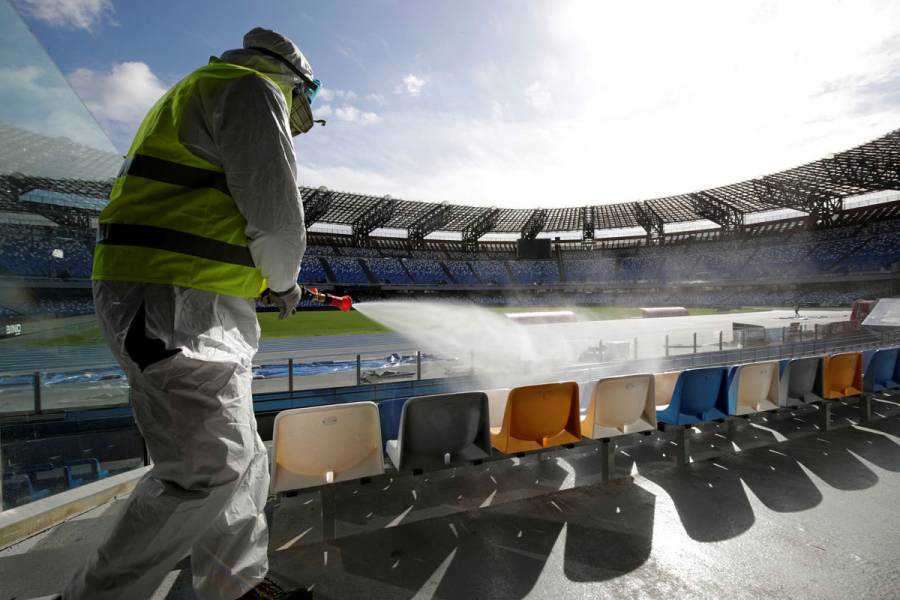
[300, 110]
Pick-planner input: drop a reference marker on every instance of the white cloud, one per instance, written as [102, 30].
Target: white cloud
[329, 94]
[377, 98]
[71, 14]
[323, 111]
[351, 114]
[537, 96]
[121, 95]
[411, 85]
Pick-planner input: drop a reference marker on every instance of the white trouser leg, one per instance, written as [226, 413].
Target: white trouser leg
[206, 490]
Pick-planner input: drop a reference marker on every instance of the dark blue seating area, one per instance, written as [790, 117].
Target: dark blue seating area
[311, 271]
[388, 270]
[534, 271]
[347, 270]
[44, 252]
[425, 270]
[491, 271]
[461, 271]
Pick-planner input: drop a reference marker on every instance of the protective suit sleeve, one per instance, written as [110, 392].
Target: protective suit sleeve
[251, 132]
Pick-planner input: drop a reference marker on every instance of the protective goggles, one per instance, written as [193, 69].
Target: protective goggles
[308, 88]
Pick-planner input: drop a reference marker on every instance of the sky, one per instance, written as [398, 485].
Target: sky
[519, 104]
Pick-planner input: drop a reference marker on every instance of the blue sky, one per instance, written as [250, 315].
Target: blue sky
[509, 103]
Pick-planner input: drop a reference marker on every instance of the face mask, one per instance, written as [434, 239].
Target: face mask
[301, 115]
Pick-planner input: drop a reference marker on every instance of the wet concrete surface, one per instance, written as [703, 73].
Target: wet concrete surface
[770, 507]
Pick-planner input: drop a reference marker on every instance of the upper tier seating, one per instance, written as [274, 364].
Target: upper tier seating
[311, 271]
[491, 271]
[424, 270]
[347, 270]
[388, 270]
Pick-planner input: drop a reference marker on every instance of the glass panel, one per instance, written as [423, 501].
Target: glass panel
[56, 168]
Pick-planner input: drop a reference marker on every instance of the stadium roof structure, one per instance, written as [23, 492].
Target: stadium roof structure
[816, 190]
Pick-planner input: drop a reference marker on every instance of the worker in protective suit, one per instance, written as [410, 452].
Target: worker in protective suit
[204, 215]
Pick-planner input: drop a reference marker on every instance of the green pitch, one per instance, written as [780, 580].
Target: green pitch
[82, 331]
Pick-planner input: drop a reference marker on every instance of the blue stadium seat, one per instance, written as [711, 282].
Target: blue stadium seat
[883, 371]
[699, 395]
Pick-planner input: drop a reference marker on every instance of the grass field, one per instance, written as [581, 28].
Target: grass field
[81, 331]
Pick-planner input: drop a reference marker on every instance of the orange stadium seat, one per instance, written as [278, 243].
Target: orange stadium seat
[620, 405]
[538, 416]
[842, 375]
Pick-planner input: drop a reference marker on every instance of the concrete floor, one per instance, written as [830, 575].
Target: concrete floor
[772, 508]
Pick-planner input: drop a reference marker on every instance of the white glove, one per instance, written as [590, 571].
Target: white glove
[285, 301]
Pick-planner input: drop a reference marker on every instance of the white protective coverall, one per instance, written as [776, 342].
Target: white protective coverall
[192, 401]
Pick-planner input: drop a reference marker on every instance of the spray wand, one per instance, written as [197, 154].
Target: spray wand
[344, 303]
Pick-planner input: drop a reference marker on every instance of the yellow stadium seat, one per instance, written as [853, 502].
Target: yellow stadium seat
[663, 386]
[538, 416]
[842, 375]
[620, 405]
[326, 444]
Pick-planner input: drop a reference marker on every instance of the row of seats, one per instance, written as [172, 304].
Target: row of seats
[323, 445]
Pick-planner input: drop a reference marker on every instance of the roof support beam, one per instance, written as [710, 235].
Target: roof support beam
[483, 222]
[315, 204]
[871, 171]
[649, 219]
[822, 205]
[535, 224]
[433, 219]
[380, 213]
[588, 225]
[709, 207]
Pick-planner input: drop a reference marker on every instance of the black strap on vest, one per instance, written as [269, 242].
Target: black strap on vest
[166, 171]
[160, 238]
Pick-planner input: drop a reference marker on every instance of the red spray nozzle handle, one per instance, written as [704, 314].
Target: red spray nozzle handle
[345, 303]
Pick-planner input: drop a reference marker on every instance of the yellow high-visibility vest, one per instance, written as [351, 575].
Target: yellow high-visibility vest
[171, 218]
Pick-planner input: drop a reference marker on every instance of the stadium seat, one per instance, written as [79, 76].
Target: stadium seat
[699, 395]
[18, 489]
[882, 371]
[442, 430]
[663, 386]
[620, 405]
[497, 405]
[325, 444]
[753, 388]
[842, 375]
[76, 475]
[538, 416]
[801, 381]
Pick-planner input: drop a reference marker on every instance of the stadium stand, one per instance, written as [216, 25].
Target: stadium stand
[48, 226]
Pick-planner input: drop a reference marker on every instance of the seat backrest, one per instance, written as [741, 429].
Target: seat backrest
[537, 412]
[882, 367]
[324, 444]
[757, 387]
[802, 376]
[701, 389]
[444, 423]
[843, 373]
[619, 401]
[497, 405]
[663, 386]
